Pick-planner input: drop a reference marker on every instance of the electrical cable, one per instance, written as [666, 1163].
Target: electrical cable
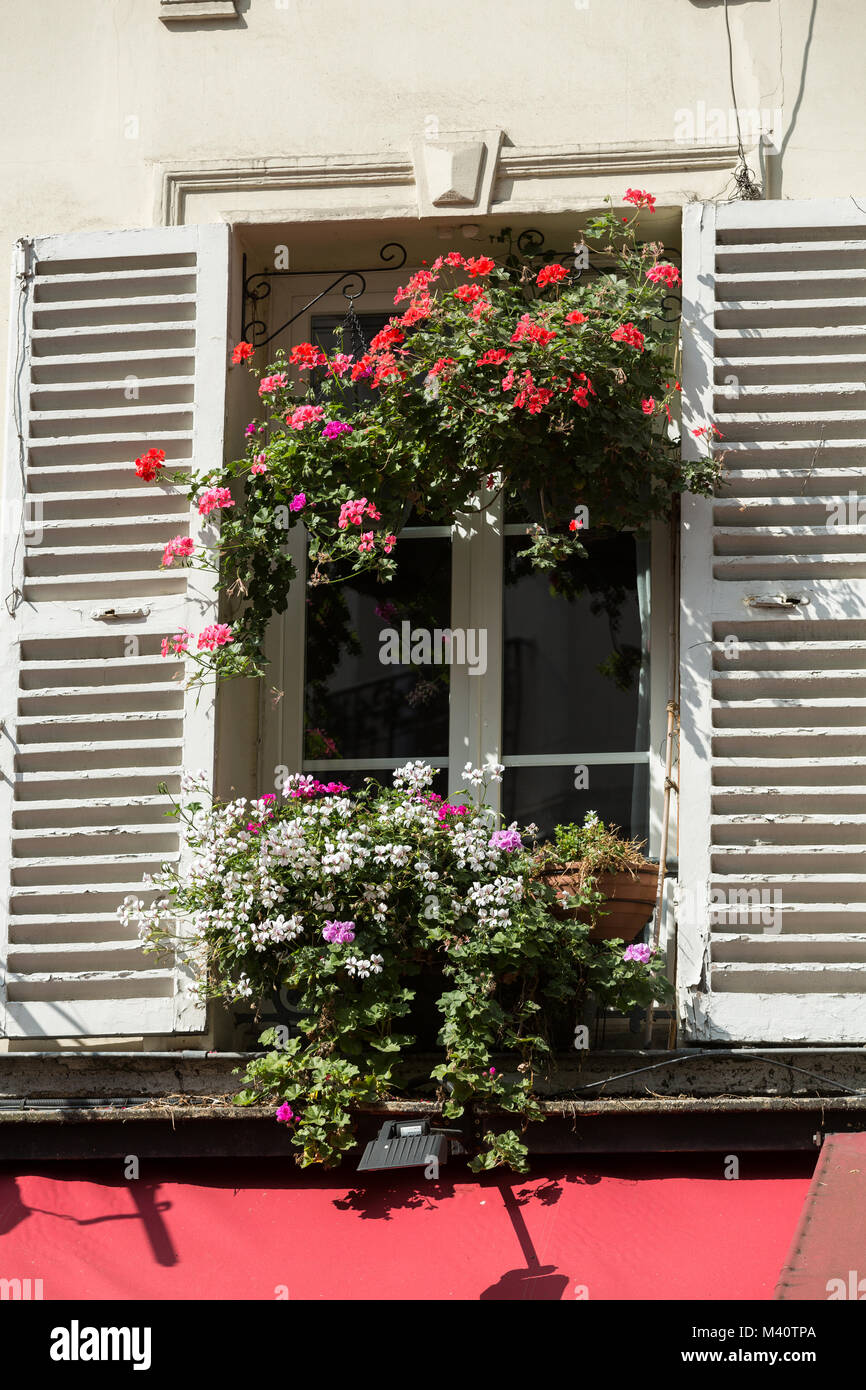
[743, 176]
[710, 1052]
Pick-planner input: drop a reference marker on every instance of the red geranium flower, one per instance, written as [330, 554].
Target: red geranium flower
[640, 198]
[148, 466]
[530, 396]
[494, 357]
[420, 308]
[363, 367]
[307, 355]
[668, 274]
[535, 332]
[242, 352]
[574, 317]
[441, 364]
[550, 275]
[385, 339]
[468, 293]
[385, 367]
[627, 333]
[480, 265]
[417, 285]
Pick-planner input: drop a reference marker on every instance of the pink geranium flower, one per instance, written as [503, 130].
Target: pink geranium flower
[216, 635]
[269, 384]
[304, 415]
[181, 546]
[177, 645]
[212, 498]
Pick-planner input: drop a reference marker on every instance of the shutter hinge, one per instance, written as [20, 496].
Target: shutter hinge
[114, 615]
[775, 600]
[24, 260]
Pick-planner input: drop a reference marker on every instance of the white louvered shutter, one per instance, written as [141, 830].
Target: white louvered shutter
[772, 918]
[118, 345]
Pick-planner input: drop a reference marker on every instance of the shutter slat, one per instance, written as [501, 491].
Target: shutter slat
[772, 914]
[125, 350]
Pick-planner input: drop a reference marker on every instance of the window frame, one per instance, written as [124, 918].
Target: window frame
[477, 592]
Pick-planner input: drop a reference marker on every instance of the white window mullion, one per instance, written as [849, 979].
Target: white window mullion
[281, 700]
[476, 700]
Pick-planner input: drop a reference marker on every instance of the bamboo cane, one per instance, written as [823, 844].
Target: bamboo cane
[673, 711]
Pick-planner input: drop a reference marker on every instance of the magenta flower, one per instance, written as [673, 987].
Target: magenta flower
[309, 787]
[352, 512]
[285, 1114]
[508, 840]
[298, 502]
[639, 953]
[339, 933]
[335, 428]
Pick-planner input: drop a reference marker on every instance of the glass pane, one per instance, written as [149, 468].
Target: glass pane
[576, 675]
[364, 697]
[547, 796]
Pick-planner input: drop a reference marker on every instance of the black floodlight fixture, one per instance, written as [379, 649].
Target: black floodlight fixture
[409, 1144]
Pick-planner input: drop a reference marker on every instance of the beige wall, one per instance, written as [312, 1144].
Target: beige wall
[338, 76]
[101, 100]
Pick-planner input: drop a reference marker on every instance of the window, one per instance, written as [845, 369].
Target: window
[468, 656]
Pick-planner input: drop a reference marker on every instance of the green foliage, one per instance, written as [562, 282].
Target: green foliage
[599, 848]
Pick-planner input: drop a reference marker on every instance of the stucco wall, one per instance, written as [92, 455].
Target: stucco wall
[100, 98]
[329, 76]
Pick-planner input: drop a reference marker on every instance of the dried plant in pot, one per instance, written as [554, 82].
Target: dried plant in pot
[600, 878]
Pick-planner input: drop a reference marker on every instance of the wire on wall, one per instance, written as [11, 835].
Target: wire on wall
[744, 179]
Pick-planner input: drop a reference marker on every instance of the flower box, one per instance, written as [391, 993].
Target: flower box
[629, 898]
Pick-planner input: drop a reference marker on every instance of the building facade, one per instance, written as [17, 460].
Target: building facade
[213, 170]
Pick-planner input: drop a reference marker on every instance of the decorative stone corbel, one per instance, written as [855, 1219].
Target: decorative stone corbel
[455, 171]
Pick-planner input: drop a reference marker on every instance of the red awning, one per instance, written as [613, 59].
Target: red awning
[655, 1228]
[826, 1259]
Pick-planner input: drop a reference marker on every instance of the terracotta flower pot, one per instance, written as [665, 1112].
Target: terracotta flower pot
[629, 900]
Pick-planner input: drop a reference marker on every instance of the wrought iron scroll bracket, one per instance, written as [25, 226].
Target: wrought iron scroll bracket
[351, 283]
[529, 245]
